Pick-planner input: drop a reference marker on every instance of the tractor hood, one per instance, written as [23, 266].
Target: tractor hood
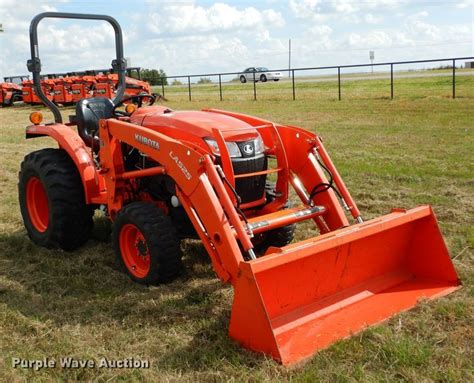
[193, 126]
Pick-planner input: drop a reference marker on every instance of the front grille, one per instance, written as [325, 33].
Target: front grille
[250, 188]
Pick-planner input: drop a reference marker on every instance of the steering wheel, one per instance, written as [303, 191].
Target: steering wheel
[137, 99]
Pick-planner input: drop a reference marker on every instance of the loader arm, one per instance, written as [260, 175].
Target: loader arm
[200, 189]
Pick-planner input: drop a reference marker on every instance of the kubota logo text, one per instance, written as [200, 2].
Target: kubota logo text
[185, 171]
[147, 141]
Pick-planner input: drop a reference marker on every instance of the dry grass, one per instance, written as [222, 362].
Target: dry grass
[391, 153]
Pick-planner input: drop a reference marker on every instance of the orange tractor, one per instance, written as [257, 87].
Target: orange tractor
[10, 90]
[30, 93]
[63, 93]
[107, 84]
[225, 178]
[83, 87]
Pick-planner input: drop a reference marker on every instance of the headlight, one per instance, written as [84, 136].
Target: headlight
[232, 148]
[259, 146]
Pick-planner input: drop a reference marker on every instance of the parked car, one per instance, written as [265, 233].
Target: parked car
[259, 74]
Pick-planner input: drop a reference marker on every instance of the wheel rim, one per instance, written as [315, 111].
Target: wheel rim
[134, 250]
[37, 204]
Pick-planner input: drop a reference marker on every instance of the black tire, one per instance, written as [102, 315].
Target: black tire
[263, 78]
[243, 80]
[278, 237]
[16, 98]
[69, 220]
[276, 79]
[161, 243]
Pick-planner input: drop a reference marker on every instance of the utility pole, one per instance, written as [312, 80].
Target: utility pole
[372, 57]
[289, 58]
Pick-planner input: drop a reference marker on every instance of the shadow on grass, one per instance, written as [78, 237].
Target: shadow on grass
[85, 287]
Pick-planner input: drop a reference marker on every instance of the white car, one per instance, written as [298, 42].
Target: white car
[259, 74]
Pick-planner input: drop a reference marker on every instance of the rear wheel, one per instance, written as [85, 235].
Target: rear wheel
[146, 245]
[52, 201]
[263, 78]
[243, 80]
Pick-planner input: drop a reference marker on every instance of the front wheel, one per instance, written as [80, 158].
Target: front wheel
[243, 80]
[274, 238]
[146, 244]
[16, 98]
[52, 200]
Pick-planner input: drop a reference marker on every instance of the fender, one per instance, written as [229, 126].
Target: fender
[70, 141]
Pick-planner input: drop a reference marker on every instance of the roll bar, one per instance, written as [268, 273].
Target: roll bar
[34, 64]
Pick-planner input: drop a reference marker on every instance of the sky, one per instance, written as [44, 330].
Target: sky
[196, 37]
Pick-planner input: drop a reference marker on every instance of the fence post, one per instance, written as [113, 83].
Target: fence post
[391, 81]
[254, 87]
[220, 87]
[189, 87]
[293, 82]
[454, 78]
[339, 81]
[163, 86]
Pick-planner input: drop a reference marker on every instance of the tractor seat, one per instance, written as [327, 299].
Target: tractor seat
[88, 113]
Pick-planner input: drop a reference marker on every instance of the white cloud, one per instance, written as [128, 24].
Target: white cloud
[219, 37]
[465, 4]
[188, 18]
[273, 18]
[320, 30]
[369, 18]
[321, 10]
[193, 37]
[63, 46]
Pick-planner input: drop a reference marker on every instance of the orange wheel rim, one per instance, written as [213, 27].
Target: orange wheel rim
[134, 250]
[37, 204]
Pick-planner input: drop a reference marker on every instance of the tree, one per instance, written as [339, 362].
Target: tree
[154, 77]
[204, 80]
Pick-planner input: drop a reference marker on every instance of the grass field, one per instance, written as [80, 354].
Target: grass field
[416, 149]
[353, 86]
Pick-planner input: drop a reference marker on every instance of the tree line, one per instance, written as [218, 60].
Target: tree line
[154, 76]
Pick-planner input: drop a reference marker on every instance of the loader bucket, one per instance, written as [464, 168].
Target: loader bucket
[303, 297]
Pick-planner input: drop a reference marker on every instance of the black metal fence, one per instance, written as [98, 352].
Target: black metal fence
[291, 72]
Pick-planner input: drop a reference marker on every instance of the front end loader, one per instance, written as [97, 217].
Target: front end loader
[227, 179]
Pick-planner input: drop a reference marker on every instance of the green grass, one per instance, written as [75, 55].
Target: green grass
[353, 86]
[416, 149]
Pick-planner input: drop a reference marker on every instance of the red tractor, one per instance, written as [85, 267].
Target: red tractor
[225, 178]
[132, 86]
[107, 86]
[83, 87]
[30, 94]
[10, 90]
[63, 93]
